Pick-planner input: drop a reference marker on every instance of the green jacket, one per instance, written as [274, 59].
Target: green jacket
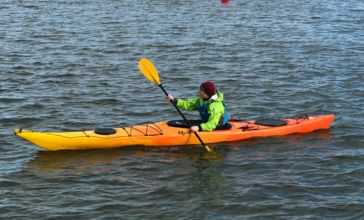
[215, 109]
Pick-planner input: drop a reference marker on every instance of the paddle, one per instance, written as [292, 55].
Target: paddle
[148, 69]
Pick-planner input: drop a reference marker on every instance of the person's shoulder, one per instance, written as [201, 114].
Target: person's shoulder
[220, 96]
[219, 93]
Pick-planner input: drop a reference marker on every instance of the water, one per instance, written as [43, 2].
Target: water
[72, 65]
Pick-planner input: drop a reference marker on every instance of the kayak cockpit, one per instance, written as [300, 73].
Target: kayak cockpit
[183, 124]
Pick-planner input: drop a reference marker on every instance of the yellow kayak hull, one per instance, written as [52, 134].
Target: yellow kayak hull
[160, 134]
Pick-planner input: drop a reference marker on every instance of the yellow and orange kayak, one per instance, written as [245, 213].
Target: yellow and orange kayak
[161, 134]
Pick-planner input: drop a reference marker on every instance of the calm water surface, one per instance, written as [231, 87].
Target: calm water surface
[72, 65]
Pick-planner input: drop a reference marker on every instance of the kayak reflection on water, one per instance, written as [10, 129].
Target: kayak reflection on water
[58, 163]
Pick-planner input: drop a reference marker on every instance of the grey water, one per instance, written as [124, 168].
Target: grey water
[72, 65]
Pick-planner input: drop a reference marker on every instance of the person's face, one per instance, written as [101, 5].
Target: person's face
[203, 94]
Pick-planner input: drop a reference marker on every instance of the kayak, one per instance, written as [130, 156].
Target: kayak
[172, 133]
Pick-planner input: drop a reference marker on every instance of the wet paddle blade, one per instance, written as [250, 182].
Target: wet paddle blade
[147, 68]
[207, 148]
[209, 154]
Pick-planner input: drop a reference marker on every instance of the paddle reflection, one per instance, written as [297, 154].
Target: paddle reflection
[210, 182]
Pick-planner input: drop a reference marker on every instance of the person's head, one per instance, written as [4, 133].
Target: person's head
[207, 89]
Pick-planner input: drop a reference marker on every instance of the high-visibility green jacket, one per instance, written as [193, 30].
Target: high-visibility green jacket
[212, 111]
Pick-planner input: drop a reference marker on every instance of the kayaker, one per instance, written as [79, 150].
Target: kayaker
[210, 106]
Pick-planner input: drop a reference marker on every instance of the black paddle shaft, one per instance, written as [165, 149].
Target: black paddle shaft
[184, 118]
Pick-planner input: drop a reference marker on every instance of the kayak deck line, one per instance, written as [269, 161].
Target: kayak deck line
[253, 125]
[160, 134]
[157, 131]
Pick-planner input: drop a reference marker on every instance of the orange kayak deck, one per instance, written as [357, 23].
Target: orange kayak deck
[160, 134]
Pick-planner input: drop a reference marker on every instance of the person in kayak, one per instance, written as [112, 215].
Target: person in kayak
[210, 106]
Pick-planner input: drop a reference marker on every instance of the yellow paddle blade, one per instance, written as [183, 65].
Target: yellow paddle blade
[207, 148]
[147, 68]
[209, 154]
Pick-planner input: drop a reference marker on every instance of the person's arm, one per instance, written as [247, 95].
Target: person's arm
[189, 104]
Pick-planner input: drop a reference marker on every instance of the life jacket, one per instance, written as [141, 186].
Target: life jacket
[202, 109]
